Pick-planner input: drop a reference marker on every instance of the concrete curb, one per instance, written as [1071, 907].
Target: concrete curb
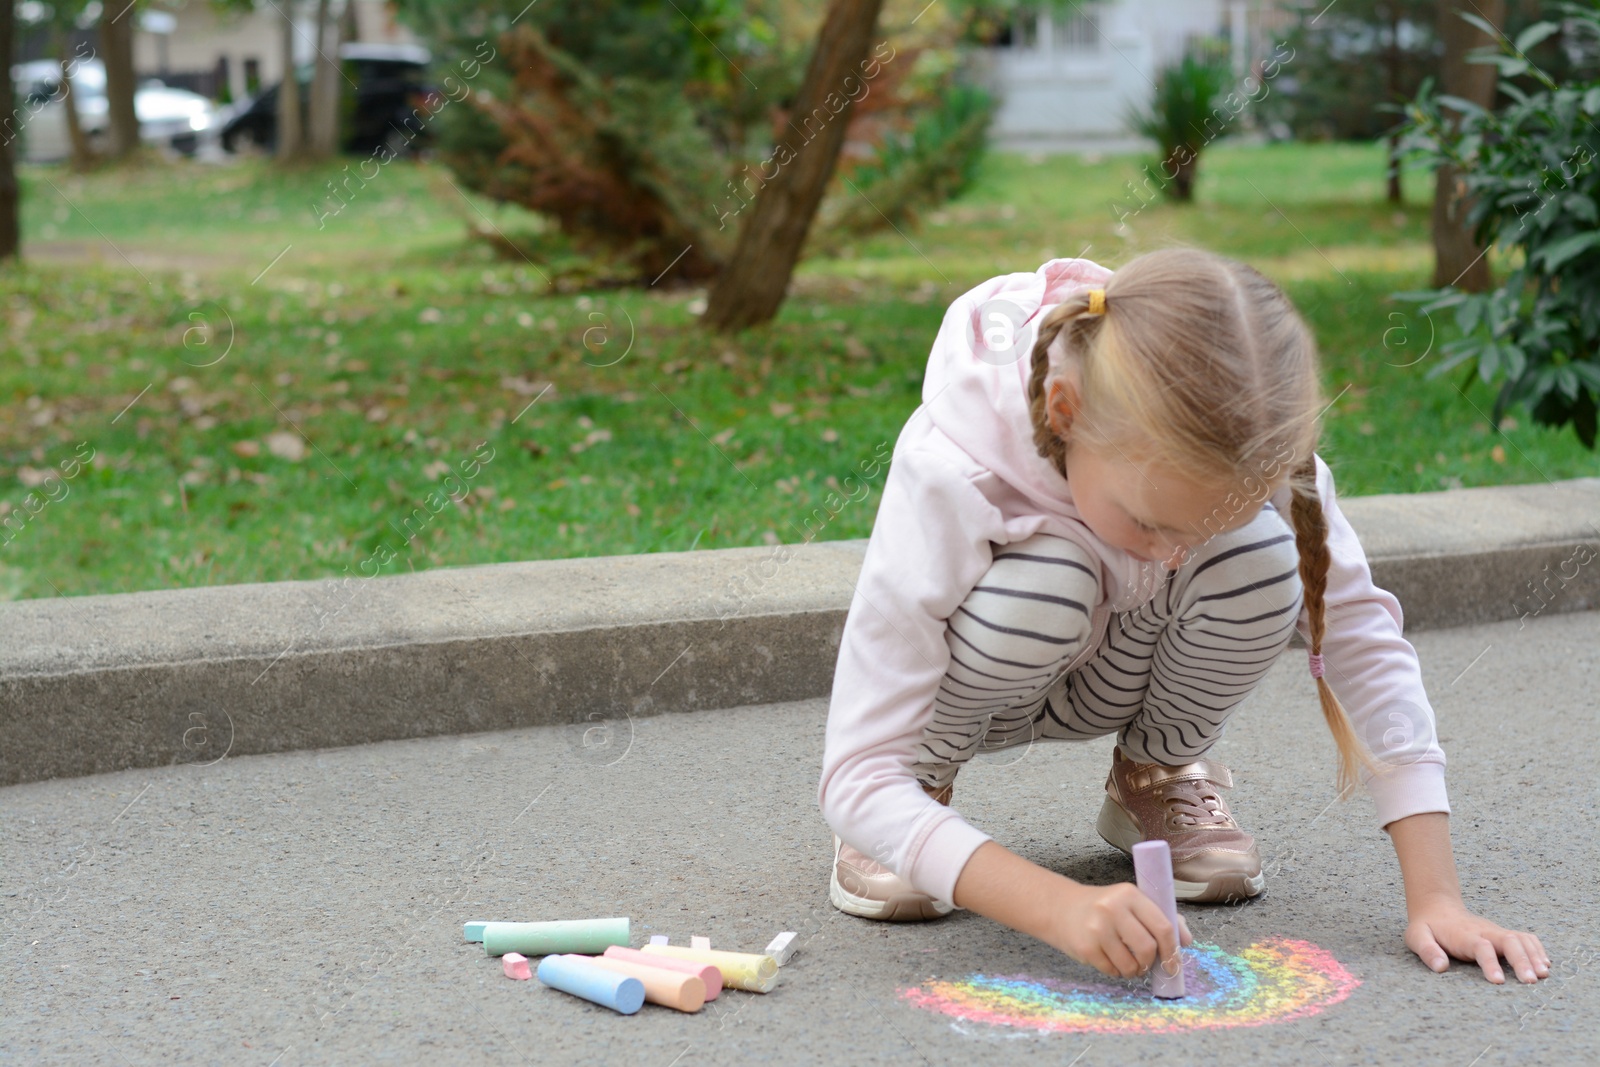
[101, 683]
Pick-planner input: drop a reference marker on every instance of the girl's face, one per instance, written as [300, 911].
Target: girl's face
[1149, 512]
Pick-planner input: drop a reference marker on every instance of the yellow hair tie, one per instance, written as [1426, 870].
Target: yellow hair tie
[1097, 301]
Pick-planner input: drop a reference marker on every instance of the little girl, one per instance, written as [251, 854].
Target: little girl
[1119, 535]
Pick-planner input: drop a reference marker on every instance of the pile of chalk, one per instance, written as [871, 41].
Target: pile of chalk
[591, 958]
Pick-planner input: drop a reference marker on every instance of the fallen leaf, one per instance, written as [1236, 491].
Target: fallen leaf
[286, 446]
[523, 386]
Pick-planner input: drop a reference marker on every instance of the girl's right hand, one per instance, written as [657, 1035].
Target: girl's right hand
[1115, 929]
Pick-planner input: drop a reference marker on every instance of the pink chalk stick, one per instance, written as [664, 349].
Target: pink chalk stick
[1152, 867]
[712, 976]
[516, 965]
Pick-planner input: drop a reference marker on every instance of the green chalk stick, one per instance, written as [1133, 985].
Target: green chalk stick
[473, 931]
[588, 936]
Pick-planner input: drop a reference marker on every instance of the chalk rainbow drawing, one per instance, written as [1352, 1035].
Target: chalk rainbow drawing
[1272, 981]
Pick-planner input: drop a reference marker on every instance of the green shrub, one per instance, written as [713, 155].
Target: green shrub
[932, 163]
[612, 119]
[643, 129]
[1185, 115]
[1531, 171]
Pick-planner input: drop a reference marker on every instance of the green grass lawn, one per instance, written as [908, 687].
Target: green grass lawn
[267, 397]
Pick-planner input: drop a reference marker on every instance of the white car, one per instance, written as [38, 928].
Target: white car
[174, 118]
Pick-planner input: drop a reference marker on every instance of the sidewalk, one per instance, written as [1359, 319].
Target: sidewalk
[306, 907]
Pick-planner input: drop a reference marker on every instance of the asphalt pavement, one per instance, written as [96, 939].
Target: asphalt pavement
[306, 907]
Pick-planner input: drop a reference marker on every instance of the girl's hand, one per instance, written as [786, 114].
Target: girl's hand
[1439, 922]
[1115, 929]
[1447, 926]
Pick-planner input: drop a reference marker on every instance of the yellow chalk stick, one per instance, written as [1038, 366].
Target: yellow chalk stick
[740, 970]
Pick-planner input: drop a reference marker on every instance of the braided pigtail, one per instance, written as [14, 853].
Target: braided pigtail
[1311, 539]
[1072, 315]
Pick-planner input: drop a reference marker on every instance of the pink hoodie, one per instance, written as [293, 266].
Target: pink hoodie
[965, 473]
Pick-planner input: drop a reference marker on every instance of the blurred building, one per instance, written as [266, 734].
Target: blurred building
[1066, 73]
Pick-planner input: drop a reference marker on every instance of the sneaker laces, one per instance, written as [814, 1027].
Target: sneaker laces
[1189, 804]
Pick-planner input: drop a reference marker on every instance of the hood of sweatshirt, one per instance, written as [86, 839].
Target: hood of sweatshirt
[976, 392]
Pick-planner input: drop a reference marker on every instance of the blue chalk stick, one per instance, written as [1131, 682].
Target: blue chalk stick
[473, 931]
[581, 978]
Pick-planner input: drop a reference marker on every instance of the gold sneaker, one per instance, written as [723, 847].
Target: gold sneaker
[1213, 860]
[861, 886]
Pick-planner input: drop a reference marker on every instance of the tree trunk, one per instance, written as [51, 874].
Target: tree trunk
[1184, 162]
[752, 285]
[10, 238]
[1396, 191]
[117, 20]
[291, 137]
[323, 141]
[1458, 258]
[83, 156]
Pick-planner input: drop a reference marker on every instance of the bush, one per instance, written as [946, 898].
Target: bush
[642, 129]
[1185, 115]
[616, 163]
[932, 163]
[614, 120]
[1531, 171]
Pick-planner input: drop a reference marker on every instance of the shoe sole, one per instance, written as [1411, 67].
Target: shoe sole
[902, 907]
[1122, 833]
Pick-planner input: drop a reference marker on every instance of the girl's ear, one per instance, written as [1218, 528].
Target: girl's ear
[1061, 404]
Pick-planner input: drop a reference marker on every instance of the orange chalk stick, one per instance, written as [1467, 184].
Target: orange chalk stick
[706, 972]
[670, 989]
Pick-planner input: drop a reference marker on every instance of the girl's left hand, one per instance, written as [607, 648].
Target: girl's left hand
[1442, 927]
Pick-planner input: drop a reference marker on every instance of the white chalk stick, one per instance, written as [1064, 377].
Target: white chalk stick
[658, 939]
[700, 942]
[782, 947]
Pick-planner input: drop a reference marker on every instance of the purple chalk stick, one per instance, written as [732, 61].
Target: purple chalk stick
[1152, 866]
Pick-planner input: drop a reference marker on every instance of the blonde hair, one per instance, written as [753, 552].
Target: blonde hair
[1200, 365]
